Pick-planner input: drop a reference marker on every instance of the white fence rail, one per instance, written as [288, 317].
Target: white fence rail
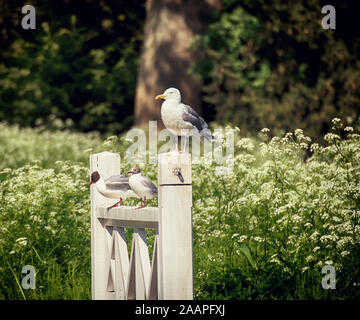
[118, 275]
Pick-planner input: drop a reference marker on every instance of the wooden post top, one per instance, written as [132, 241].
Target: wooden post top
[169, 164]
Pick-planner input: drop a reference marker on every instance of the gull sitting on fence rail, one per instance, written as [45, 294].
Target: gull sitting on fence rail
[142, 186]
[114, 187]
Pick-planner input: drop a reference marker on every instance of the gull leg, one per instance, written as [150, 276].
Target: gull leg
[141, 206]
[115, 205]
[184, 151]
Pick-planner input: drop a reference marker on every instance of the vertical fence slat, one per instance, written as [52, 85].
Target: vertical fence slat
[139, 270]
[109, 263]
[130, 286]
[142, 268]
[121, 262]
[153, 285]
[107, 164]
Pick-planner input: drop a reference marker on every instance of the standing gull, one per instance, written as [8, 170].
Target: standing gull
[142, 186]
[181, 119]
[115, 187]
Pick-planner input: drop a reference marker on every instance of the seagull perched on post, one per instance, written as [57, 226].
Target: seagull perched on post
[181, 119]
[115, 187]
[142, 186]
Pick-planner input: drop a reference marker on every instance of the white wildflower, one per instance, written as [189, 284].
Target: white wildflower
[336, 121]
[331, 137]
[258, 239]
[320, 263]
[242, 238]
[345, 253]
[296, 218]
[22, 241]
[314, 236]
[304, 269]
[314, 146]
[246, 144]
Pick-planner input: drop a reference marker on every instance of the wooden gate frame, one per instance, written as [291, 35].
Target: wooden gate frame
[170, 274]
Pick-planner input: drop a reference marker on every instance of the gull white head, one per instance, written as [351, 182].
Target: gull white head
[170, 94]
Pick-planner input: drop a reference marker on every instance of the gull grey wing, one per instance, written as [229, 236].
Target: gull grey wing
[191, 116]
[149, 184]
[118, 182]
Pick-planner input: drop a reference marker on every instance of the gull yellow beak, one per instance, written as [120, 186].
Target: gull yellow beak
[159, 96]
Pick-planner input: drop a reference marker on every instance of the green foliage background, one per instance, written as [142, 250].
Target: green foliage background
[262, 64]
[271, 64]
[79, 65]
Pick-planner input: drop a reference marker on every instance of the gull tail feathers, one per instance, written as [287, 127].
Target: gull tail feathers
[207, 135]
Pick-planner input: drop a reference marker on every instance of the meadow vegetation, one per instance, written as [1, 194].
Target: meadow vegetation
[264, 232]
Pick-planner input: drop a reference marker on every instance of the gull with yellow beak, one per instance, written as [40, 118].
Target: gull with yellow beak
[181, 119]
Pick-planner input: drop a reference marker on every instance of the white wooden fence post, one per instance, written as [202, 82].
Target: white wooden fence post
[175, 256]
[107, 164]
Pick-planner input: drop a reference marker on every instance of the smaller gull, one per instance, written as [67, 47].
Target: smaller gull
[114, 187]
[142, 186]
[181, 119]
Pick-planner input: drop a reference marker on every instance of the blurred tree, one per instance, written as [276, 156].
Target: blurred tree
[271, 64]
[170, 28]
[78, 67]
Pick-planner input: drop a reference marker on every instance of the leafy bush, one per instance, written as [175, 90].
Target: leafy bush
[79, 66]
[271, 64]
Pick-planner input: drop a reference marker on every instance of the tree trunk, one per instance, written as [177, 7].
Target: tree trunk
[170, 28]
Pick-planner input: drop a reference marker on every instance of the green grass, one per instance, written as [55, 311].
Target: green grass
[19, 146]
[262, 232]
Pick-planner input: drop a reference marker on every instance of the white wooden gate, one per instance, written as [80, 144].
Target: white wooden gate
[118, 275]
